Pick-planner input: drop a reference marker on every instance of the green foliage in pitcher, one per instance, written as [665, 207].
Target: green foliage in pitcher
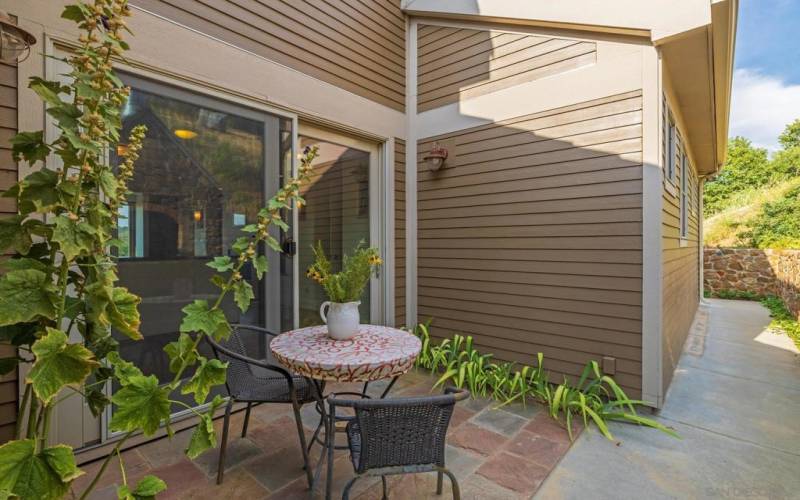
[347, 285]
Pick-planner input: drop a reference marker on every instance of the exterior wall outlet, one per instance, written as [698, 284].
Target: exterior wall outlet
[609, 365]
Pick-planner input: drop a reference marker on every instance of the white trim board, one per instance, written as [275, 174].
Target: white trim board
[411, 172]
[652, 200]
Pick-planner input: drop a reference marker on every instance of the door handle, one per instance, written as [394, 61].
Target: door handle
[290, 248]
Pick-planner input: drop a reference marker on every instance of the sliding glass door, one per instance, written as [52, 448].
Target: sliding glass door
[205, 171]
[342, 212]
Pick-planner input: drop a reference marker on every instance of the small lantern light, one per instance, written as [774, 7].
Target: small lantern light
[15, 42]
[435, 157]
[198, 215]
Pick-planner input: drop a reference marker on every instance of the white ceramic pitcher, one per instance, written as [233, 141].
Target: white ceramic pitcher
[342, 318]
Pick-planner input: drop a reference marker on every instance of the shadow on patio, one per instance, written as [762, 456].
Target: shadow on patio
[495, 454]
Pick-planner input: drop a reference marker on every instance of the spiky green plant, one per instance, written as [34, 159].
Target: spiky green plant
[596, 398]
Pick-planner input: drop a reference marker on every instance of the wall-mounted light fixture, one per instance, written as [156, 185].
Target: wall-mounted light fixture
[435, 157]
[198, 215]
[15, 42]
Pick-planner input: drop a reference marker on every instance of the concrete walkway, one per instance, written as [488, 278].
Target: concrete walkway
[735, 401]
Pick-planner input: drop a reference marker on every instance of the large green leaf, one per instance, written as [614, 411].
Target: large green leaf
[181, 352]
[58, 364]
[146, 489]
[26, 295]
[48, 90]
[23, 263]
[108, 183]
[38, 191]
[221, 264]
[14, 235]
[198, 317]
[243, 294]
[123, 370]
[141, 404]
[29, 146]
[123, 312]
[28, 475]
[77, 13]
[209, 374]
[260, 264]
[204, 437]
[73, 237]
[67, 114]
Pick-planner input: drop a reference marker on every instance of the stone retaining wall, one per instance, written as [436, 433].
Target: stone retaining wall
[763, 272]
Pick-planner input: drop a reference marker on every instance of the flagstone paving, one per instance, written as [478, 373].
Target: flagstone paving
[496, 453]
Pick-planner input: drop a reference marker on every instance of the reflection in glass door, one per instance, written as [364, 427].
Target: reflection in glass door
[202, 176]
[337, 213]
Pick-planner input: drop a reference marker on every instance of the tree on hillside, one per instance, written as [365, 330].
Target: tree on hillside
[746, 167]
[790, 138]
[786, 162]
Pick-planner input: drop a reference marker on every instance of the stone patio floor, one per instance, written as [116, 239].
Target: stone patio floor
[495, 453]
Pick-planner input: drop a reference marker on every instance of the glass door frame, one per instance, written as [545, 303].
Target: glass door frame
[270, 117]
[380, 198]
[377, 213]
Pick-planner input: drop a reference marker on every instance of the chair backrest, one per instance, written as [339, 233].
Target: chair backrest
[241, 375]
[402, 432]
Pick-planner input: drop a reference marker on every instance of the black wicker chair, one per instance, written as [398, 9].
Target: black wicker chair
[255, 381]
[398, 436]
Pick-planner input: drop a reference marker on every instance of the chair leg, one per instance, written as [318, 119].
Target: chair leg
[453, 482]
[346, 492]
[439, 477]
[224, 443]
[301, 433]
[385, 489]
[246, 420]
[330, 438]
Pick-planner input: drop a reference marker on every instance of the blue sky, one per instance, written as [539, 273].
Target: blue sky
[766, 84]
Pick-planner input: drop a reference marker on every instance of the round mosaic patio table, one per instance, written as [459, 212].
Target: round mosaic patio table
[374, 353]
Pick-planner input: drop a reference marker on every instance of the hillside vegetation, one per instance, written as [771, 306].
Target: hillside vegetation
[755, 199]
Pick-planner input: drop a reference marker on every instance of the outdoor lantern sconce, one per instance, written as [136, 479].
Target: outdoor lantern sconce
[15, 42]
[436, 157]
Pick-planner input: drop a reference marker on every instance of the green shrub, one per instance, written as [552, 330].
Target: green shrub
[778, 224]
[747, 167]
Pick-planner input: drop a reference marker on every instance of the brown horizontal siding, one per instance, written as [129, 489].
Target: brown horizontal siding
[681, 288]
[400, 232]
[8, 176]
[456, 63]
[530, 239]
[354, 44]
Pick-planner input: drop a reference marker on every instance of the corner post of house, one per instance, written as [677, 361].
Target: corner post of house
[652, 196]
[411, 172]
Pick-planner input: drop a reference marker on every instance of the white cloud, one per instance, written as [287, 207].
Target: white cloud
[762, 106]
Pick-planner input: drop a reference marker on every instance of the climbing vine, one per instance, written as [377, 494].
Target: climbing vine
[59, 297]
